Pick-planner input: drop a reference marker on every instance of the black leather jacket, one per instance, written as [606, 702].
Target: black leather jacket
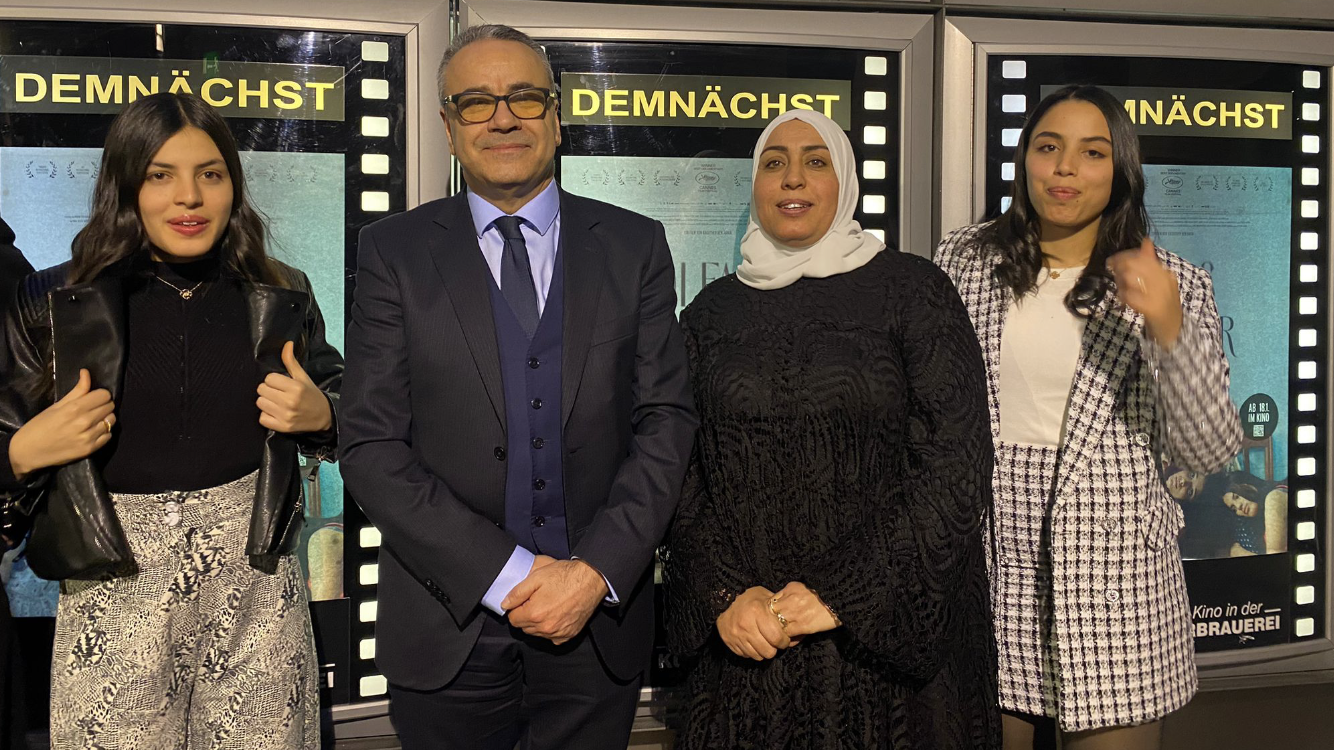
[53, 328]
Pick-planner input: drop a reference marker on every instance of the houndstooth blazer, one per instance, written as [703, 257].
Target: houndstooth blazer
[1119, 648]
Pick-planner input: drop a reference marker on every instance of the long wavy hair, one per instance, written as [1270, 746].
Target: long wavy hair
[115, 232]
[1014, 236]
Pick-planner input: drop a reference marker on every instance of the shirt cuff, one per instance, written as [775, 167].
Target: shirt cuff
[611, 597]
[515, 570]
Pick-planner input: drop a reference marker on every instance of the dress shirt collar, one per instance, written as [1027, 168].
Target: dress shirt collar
[539, 213]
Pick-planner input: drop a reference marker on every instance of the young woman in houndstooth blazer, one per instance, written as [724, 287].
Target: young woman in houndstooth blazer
[1103, 356]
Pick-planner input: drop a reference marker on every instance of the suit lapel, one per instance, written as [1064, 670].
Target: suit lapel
[1110, 344]
[582, 254]
[459, 261]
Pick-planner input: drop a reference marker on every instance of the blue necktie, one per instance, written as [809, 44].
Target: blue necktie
[516, 275]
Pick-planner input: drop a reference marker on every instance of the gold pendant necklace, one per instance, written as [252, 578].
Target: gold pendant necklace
[185, 293]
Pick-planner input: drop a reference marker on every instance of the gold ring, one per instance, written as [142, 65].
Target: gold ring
[781, 619]
[106, 421]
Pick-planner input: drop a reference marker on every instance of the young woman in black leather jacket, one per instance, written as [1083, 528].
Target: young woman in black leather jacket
[156, 391]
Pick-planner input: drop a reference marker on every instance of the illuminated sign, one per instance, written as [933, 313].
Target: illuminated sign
[697, 101]
[102, 85]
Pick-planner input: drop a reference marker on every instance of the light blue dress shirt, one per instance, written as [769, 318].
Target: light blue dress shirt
[541, 234]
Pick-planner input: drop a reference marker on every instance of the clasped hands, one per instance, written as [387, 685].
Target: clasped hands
[752, 626]
[556, 599]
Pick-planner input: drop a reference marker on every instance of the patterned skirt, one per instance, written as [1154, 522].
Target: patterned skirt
[197, 650]
[1021, 579]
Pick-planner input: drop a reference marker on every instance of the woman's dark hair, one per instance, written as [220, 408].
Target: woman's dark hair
[1248, 486]
[1014, 235]
[115, 232]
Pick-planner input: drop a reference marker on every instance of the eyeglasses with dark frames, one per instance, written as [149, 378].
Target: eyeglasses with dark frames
[477, 106]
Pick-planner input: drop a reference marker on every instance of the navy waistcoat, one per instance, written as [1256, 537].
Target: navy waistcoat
[530, 372]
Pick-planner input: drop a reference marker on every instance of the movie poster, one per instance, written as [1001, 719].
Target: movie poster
[1236, 223]
[702, 202]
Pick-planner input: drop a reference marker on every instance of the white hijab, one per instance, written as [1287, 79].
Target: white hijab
[767, 264]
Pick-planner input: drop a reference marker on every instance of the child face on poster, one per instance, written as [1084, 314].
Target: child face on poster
[1240, 505]
[1185, 485]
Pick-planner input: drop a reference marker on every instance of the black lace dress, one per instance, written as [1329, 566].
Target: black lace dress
[845, 444]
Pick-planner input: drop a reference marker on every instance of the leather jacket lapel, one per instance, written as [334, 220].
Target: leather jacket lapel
[78, 533]
[88, 332]
[277, 315]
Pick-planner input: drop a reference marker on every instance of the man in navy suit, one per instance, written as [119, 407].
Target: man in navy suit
[517, 421]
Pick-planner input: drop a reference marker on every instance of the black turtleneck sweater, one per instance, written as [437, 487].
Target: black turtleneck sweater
[186, 418]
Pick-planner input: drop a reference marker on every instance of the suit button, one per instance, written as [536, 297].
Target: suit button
[534, 362]
[500, 454]
[1142, 439]
[538, 443]
[540, 484]
[444, 599]
[539, 521]
[1113, 595]
[537, 403]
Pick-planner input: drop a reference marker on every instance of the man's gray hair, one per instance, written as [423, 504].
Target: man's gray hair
[488, 31]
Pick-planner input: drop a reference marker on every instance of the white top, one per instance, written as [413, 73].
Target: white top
[1040, 347]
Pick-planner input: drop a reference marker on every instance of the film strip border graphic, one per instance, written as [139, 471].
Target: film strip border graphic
[376, 176]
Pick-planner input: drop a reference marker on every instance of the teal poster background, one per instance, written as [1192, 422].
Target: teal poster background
[46, 194]
[1236, 222]
[703, 204]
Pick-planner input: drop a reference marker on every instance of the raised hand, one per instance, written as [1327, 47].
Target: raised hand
[1146, 286]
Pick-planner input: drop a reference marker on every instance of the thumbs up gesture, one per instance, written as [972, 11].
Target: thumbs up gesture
[292, 402]
[1147, 287]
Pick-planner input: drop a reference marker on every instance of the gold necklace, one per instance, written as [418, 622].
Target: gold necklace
[185, 293]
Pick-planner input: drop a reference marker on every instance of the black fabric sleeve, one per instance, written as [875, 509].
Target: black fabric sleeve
[701, 569]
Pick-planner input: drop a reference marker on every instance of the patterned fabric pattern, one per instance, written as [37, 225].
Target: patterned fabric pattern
[196, 651]
[844, 445]
[1092, 618]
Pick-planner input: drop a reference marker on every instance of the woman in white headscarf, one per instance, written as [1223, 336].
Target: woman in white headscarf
[825, 573]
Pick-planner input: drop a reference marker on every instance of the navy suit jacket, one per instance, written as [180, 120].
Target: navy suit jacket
[423, 425]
